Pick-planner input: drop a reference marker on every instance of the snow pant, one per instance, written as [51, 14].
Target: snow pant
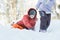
[31, 28]
[45, 20]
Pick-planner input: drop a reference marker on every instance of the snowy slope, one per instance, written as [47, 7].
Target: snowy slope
[53, 33]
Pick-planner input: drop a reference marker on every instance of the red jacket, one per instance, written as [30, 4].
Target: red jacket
[27, 22]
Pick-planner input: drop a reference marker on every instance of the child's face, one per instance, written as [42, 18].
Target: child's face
[32, 16]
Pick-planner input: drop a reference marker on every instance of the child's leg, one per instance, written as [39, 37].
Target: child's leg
[48, 20]
[43, 20]
[31, 28]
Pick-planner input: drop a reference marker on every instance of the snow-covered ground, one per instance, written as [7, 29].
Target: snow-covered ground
[9, 33]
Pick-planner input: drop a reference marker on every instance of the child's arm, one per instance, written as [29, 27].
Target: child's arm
[50, 3]
[26, 22]
[36, 19]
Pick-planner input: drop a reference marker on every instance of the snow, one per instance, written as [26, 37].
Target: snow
[9, 33]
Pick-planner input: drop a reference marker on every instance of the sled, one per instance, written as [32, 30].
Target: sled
[17, 26]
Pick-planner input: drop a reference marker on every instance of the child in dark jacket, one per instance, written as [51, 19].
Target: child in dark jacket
[28, 21]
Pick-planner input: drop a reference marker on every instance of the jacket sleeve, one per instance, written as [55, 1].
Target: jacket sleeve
[26, 22]
[38, 4]
[51, 3]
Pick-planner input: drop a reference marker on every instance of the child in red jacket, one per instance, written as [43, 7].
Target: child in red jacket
[28, 21]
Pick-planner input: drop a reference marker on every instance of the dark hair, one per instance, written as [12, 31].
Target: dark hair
[32, 14]
[31, 10]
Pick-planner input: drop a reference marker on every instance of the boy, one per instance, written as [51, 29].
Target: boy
[45, 7]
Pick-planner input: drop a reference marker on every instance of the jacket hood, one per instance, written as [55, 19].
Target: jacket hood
[32, 11]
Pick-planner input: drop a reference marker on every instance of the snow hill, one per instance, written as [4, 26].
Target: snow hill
[9, 33]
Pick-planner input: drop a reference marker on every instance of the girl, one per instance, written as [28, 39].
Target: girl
[28, 21]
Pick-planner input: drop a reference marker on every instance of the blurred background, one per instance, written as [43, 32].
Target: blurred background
[13, 10]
